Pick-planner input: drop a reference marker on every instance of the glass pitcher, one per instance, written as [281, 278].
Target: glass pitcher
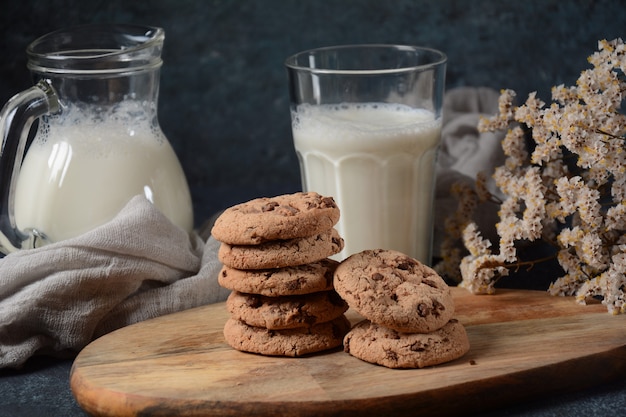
[98, 141]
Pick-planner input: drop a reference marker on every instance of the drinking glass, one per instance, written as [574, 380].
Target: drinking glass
[366, 123]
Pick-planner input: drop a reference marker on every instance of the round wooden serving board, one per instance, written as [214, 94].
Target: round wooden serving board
[524, 344]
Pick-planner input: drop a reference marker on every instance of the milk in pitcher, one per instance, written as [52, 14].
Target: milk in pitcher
[68, 185]
[377, 160]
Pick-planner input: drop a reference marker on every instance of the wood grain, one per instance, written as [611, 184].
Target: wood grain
[524, 344]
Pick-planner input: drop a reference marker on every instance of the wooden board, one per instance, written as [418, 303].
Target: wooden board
[524, 344]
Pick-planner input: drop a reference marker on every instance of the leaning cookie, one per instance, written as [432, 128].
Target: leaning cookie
[394, 290]
[281, 253]
[291, 342]
[283, 217]
[294, 280]
[287, 312]
[383, 346]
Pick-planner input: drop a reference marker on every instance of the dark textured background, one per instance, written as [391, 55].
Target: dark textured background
[224, 99]
[224, 103]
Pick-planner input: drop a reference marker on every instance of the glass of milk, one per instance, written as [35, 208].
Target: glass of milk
[366, 122]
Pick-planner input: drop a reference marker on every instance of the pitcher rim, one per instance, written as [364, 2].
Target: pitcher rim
[143, 52]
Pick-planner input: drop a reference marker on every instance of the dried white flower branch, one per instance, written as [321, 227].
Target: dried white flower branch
[568, 187]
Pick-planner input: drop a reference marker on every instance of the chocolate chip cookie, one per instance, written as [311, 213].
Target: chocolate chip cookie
[394, 290]
[283, 217]
[285, 312]
[281, 253]
[291, 342]
[378, 344]
[293, 280]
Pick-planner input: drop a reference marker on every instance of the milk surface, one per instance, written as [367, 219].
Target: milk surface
[377, 160]
[80, 175]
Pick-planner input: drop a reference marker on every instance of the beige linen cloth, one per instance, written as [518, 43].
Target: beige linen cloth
[56, 299]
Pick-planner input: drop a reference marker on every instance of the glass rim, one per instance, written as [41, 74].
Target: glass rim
[439, 58]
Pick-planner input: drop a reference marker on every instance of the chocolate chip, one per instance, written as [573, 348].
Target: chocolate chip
[254, 302]
[269, 206]
[423, 310]
[328, 202]
[406, 264]
[438, 308]
[376, 276]
[429, 283]
[296, 284]
[417, 347]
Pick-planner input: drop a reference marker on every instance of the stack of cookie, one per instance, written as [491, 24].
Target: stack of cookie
[275, 255]
[408, 311]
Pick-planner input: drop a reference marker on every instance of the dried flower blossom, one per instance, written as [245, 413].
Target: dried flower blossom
[474, 242]
[569, 190]
[514, 148]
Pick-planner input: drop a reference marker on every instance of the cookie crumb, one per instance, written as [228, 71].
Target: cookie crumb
[472, 362]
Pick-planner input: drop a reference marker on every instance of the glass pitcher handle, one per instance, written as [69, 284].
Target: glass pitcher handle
[16, 119]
